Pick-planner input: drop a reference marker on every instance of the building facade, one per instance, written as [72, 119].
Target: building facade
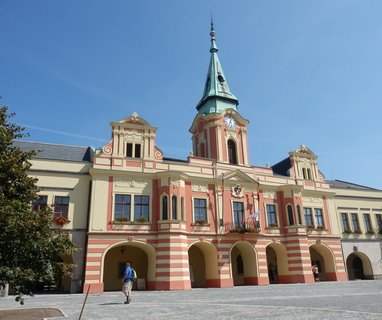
[213, 220]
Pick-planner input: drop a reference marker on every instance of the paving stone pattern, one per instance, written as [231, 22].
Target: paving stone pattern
[325, 301]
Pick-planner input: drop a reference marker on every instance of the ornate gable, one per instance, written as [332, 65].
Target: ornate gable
[304, 164]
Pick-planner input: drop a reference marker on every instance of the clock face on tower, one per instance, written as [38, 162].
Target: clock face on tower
[230, 122]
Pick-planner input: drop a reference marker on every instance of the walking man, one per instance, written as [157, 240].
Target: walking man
[127, 282]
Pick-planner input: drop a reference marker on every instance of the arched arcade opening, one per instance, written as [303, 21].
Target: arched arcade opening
[323, 257]
[244, 264]
[277, 263]
[359, 266]
[203, 265]
[142, 259]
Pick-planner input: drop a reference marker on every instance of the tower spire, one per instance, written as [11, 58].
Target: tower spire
[214, 47]
[217, 96]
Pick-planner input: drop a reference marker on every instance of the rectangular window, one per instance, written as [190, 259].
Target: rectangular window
[308, 217]
[355, 222]
[133, 150]
[122, 207]
[345, 222]
[129, 150]
[40, 203]
[141, 208]
[368, 226]
[238, 213]
[378, 218]
[200, 210]
[271, 215]
[309, 175]
[61, 206]
[137, 151]
[304, 173]
[319, 218]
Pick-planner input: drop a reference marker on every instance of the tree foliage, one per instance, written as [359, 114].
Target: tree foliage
[30, 248]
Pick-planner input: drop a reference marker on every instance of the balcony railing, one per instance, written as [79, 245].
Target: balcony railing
[247, 227]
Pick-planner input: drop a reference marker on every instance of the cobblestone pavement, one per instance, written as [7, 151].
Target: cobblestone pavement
[324, 301]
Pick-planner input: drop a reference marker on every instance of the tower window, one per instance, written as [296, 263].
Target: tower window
[202, 150]
[290, 215]
[232, 157]
[299, 214]
[174, 207]
[164, 208]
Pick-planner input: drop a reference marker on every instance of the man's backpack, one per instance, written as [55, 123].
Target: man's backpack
[133, 275]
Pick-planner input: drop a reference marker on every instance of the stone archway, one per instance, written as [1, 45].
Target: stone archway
[203, 265]
[142, 259]
[277, 263]
[323, 257]
[359, 266]
[243, 264]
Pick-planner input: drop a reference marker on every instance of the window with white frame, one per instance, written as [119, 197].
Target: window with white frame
[306, 173]
[122, 207]
[61, 206]
[368, 225]
[133, 150]
[355, 222]
[290, 215]
[40, 203]
[129, 207]
[318, 216]
[345, 222]
[308, 215]
[271, 215]
[141, 208]
[378, 218]
[200, 210]
[238, 213]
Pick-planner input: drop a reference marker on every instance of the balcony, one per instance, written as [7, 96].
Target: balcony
[247, 227]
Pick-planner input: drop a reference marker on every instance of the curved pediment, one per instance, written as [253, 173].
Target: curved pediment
[134, 119]
[303, 151]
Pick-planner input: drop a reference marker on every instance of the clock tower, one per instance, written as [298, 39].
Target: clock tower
[219, 132]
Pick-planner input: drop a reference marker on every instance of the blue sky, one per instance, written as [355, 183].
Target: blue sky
[304, 71]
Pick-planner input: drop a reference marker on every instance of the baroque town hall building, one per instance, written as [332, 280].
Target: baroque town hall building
[213, 220]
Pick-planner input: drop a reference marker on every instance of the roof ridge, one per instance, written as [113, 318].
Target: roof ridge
[53, 144]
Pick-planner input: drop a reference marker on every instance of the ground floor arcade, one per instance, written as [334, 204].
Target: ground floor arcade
[178, 261]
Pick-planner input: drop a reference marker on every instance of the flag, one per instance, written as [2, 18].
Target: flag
[254, 215]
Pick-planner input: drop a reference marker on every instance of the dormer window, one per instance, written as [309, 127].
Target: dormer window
[306, 174]
[137, 151]
[133, 150]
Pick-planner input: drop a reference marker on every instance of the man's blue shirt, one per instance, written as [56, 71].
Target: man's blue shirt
[128, 274]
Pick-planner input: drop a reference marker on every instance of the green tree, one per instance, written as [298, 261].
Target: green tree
[30, 248]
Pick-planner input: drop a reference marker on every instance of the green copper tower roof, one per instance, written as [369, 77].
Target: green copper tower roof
[216, 96]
